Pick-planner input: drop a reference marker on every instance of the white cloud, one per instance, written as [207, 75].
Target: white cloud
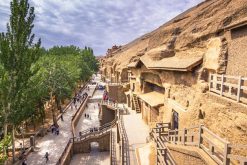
[96, 23]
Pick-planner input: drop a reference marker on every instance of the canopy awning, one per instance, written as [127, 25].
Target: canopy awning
[181, 61]
[172, 63]
[154, 99]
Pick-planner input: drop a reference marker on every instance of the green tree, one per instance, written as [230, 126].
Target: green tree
[64, 50]
[17, 53]
[4, 144]
[57, 75]
[89, 58]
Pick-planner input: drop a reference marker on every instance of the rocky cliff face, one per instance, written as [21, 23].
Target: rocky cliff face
[213, 33]
[201, 28]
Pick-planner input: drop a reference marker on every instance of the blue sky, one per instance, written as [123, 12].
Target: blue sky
[97, 23]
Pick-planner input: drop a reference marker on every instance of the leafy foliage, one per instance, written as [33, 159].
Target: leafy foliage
[4, 143]
[30, 75]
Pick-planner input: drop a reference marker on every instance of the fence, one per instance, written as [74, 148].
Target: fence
[111, 104]
[113, 149]
[98, 132]
[159, 134]
[124, 151]
[220, 150]
[118, 83]
[232, 87]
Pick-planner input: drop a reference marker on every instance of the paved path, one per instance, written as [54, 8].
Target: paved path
[94, 157]
[92, 110]
[55, 144]
[137, 132]
[93, 121]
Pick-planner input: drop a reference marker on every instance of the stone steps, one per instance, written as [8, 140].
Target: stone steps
[137, 107]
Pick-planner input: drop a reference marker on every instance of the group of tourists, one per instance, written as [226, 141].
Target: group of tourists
[54, 129]
[78, 98]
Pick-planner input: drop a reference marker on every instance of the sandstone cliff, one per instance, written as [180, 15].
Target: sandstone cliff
[199, 29]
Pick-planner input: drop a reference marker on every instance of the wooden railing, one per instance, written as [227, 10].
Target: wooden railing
[241, 159]
[118, 83]
[114, 106]
[90, 132]
[159, 135]
[188, 136]
[232, 87]
[125, 157]
[220, 150]
[110, 103]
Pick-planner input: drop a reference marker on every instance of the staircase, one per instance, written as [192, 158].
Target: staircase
[209, 147]
[91, 133]
[136, 105]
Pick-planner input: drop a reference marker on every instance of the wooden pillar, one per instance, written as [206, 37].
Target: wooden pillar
[210, 75]
[227, 150]
[200, 136]
[239, 89]
[222, 85]
[184, 134]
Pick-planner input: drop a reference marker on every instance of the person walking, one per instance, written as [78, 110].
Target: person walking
[52, 128]
[46, 157]
[57, 131]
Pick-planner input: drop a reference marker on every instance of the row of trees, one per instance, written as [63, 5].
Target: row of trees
[30, 75]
